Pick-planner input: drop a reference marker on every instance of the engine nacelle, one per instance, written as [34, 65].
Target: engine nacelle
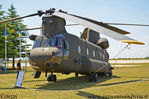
[103, 43]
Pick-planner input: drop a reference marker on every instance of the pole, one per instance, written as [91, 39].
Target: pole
[25, 55]
[20, 49]
[5, 55]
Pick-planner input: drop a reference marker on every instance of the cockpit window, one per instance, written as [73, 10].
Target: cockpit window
[59, 43]
[53, 42]
[56, 43]
[37, 42]
[45, 42]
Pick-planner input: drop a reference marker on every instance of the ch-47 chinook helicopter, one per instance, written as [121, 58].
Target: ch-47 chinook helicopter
[57, 51]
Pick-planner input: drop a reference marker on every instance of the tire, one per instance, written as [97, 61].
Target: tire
[108, 74]
[93, 77]
[54, 78]
[49, 78]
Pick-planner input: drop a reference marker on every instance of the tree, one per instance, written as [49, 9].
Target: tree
[13, 39]
[2, 27]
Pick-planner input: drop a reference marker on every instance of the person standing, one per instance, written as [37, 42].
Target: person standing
[18, 67]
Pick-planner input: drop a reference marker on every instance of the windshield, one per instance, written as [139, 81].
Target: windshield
[37, 42]
[45, 42]
[56, 43]
[53, 42]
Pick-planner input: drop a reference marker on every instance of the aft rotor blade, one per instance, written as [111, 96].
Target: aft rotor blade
[98, 27]
[38, 13]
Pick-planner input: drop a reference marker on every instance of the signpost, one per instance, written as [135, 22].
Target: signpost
[5, 49]
[20, 79]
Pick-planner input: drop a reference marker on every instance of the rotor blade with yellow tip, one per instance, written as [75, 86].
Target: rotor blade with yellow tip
[132, 42]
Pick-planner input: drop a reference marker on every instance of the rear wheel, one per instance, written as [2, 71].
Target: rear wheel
[76, 75]
[93, 77]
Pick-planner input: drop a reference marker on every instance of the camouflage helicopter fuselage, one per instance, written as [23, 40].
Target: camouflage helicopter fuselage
[74, 55]
[58, 51]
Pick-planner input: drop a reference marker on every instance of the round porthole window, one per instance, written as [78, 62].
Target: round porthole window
[100, 55]
[103, 56]
[93, 53]
[79, 49]
[87, 51]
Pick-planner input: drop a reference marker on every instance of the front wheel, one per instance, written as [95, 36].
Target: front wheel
[108, 74]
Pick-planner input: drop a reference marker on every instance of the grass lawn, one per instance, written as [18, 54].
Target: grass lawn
[126, 82]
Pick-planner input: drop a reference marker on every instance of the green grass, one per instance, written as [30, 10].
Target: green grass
[69, 87]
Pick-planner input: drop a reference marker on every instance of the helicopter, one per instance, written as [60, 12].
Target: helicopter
[57, 51]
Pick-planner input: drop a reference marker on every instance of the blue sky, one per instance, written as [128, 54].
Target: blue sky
[122, 11]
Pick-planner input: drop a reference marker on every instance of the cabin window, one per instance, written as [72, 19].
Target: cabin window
[87, 51]
[93, 53]
[100, 55]
[66, 45]
[103, 56]
[79, 49]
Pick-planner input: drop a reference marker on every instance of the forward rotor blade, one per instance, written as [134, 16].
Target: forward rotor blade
[30, 29]
[71, 24]
[116, 24]
[110, 31]
[128, 24]
[38, 13]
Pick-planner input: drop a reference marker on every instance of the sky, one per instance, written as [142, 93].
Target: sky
[108, 11]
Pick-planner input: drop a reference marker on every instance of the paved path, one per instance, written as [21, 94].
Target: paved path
[23, 64]
[129, 61]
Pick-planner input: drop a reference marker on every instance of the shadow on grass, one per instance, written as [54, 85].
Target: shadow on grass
[123, 82]
[90, 96]
[73, 83]
[13, 88]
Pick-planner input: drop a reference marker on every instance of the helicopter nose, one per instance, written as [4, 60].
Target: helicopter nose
[41, 55]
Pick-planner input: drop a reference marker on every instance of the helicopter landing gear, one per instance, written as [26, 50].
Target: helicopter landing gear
[93, 77]
[37, 74]
[76, 75]
[52, 77]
